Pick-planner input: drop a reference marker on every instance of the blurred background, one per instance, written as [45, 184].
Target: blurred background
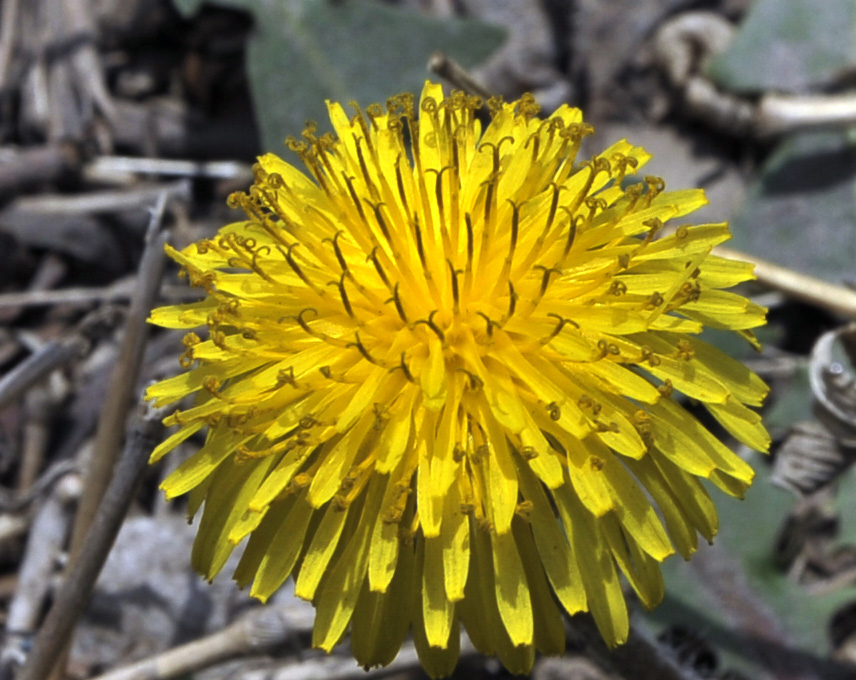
[107, 105]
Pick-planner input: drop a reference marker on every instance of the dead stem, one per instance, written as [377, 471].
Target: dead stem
[74, 592]
[828, 296]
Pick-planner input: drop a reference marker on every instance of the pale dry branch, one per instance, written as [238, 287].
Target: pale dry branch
[686, 43]
[835, 299]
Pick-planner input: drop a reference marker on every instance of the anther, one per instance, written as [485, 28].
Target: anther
[490, 323]
[469, 222]
[294, 266]
[654, 301]
[344, 295]
[524, 510]
[512, 300]
[286, 377]
[529, 453]
[572, 230]
[649, 356]
[655, 224]
[515, 225]
[656, 186]
[303, 324]
[404, 369]
[361, 348]
[399, 307]
[380, 272]
[419, 246]
[336, 249]
[558, 329]
[554, 202]
[685, 350]
[380, 219]
[617, 288]
[594, 204]
[545, 279]
[400, 182]
[362, 161]
[307, 422]
[455, 293]
[212, 386]
[358, 204]
[632, 194]
[433, 326]
[475, 382]
[381, 415]
[535, 138]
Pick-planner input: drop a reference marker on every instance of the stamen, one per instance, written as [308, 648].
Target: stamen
[553, 205]
[400, 182]
[490, 323]
[361, 348]
[362, 161]
[649, 356]
[286, 377]
[349, 181]
[380, 272]
[656, 186]
[572, 231]
[396, 298]
[512, 301]
[559, 326]
[303, 324]
[515, 226]
[545, 279]
[455, 293]
[404, 369]
[296, 268]
[469, 221]
[535, 138]
[654, 301]
[433, 326]
[475, 383]
[380, 219]
[361, 121]
[655, 224]
[344, 294]
[420, 248]
[339, 256]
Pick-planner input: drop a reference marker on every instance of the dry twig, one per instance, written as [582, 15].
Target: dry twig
[54, 355]
[448, 69]
[263, 629]
[48, 535]
[682, 47]
[828, 296]
[111, 426]
[77, 586]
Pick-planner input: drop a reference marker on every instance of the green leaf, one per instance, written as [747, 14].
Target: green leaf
[735, 597]
[801, 213]
[789, 45]
[303, 52]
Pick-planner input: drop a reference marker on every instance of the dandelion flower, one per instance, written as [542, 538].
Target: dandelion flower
[445, 380]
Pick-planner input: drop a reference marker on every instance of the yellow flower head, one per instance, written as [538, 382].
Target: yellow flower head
[445, 377]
